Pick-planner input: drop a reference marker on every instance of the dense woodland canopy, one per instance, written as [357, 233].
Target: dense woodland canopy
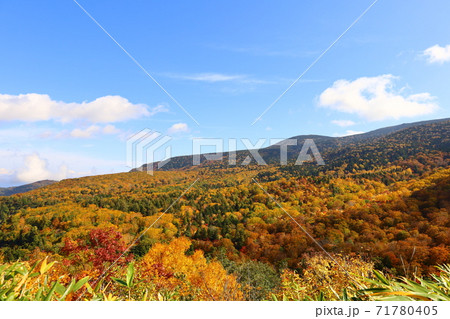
[381, 203]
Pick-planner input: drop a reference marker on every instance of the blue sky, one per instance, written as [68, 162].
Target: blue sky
[224, 62]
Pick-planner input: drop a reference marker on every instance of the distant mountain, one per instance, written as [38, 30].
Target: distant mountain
[7, 191]
[378, 147]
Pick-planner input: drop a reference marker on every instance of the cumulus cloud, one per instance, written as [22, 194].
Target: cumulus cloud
[438, 54]
[178, 128]
[22, 167]
[375, 99]
[343, 123]
[36, 169]
[34, 107]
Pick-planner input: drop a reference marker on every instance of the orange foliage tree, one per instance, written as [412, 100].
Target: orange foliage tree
[167, 269]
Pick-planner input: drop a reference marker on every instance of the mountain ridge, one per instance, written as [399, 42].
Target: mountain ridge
[326, 145]
[8, 191]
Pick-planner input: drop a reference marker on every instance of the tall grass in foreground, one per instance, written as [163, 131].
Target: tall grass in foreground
[384, 288]
[23, 281]
[437, 288]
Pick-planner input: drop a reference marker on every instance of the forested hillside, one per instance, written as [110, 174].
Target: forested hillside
[367, 150]
[380, 203]
[7, 191]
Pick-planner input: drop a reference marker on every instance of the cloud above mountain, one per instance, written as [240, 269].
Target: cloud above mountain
[36, 169]
[34, 107]
[376, 99]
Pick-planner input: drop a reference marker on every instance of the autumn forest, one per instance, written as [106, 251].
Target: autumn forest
[371, 224]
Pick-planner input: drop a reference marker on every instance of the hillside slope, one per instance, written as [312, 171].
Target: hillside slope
[373, 148]
[384, 200]
[7, 191]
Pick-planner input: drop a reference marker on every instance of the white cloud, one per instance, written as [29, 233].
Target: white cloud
[351, 132]
[27, 133]
[93, 130]
[348, 133]
[110, 129]
[4, 171]
[36, 169]
[55, 165]
[86, 133]
[178, 128]
[158, 109]
[375, 99]
[34, 107]
[211, 77]
[343, 123]
[216, 77]
[438, 54]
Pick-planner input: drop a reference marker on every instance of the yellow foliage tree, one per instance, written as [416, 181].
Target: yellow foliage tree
[168, 269]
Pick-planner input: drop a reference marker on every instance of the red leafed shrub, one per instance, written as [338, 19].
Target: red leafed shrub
[99, 249]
